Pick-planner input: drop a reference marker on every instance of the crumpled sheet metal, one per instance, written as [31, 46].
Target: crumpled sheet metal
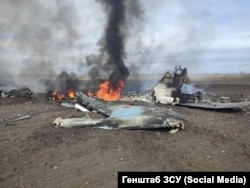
[142, 122]
[127, 117]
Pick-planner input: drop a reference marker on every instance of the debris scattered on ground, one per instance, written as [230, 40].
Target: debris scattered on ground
[66, 104]
[118, 115]
[23, 91]
[137, 110]
[128, 117]
[11, 121]
[79, 107]
[177, 89]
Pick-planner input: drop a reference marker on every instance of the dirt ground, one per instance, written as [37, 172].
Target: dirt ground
[33, 153]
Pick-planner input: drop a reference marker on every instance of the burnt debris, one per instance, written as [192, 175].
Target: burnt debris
[23, 91]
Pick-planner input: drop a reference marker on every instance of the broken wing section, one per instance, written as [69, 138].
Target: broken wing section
[129, 117]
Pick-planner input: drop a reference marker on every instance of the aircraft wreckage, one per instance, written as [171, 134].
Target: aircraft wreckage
[177, 89]
[140, 110]
[173, 89]
[122, 116]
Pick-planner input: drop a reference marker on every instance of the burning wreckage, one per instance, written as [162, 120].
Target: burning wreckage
[118, 115]
[173, 89]
[136, 111]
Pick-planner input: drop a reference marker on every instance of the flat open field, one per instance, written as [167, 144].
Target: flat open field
[33, 153]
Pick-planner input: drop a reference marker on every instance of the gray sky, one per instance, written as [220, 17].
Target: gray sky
[205, 36]
[47, 36]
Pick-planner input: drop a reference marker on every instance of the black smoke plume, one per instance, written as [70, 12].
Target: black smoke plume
[114, 40]
[109, 65]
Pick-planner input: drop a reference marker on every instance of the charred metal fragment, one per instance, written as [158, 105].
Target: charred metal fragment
[178, 89]
[93, 105]
[23, 91]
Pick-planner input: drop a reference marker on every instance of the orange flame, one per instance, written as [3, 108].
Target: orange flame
[109, 93]
[57, 96]
[71, 93]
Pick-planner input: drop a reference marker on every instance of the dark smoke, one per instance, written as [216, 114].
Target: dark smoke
[114, 38]
[39, 31]
[34, 35]
[113, 42]
[63, 82]
[110, 63]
